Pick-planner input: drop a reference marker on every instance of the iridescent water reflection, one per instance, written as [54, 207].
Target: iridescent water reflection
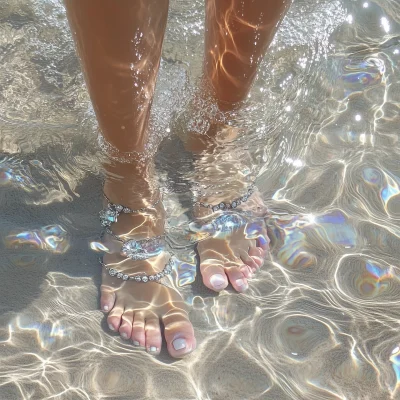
[52, 238]
[320, 321]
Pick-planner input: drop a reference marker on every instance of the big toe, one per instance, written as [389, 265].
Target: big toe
[179, 334]
[214, 276]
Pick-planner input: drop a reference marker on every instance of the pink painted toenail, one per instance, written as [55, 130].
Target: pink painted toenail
[111, 327]
[179, 344]
[153, 349]
[135, 343]
[124, 335]
[105, 308]
[240, 282]
[217, 281]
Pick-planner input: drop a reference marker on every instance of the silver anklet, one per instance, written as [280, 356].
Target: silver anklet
[110, 214]
[231, 205]
[143, 278]
[133, 249]
[140, 249]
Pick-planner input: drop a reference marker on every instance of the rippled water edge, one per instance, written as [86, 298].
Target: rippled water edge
[322, 319]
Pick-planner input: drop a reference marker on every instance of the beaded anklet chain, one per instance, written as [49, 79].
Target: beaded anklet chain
[133, 249]
[228, 205]
[143, 278]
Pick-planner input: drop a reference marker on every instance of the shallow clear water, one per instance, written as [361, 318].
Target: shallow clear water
[321, 321]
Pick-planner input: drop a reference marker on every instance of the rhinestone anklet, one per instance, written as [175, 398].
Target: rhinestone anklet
[140, 249]
[228, 205]
[143, 278]
[110, 214]
[134, 249]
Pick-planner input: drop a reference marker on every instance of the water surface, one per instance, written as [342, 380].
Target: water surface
[321, 321]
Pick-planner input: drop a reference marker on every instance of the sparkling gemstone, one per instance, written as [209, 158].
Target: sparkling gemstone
[228, 206]
[222, 206]
[238, 203]
[125, 277]
[161, 274]
[234, 204]
[119, 208]
[138, 278]
[127, 210]
[112, 272]
[145, 279]
[107, 217]
[120, 275]
[151, 278]
[244, 198]
[131, 248]
[158, 276]
[215, 208]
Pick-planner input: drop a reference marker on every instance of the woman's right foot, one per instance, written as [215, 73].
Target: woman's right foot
[136, 309]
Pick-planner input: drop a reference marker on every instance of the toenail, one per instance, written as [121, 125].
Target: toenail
[106, 308]
[179, 344]
[111, 327]
[217, 281]
[240, 282]
[153, 349]
[124, 335]
[135, 343]
[262, 240]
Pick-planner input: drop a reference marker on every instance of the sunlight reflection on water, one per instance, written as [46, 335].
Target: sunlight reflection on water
[321, 319]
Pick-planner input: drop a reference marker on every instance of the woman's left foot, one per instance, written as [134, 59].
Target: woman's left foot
[232, 243]
[235, 246]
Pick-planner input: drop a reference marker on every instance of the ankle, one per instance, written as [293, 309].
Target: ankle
[131, 184]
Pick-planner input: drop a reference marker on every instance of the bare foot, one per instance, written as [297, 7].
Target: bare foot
[233, 241]
[136, 309]
[235, 246]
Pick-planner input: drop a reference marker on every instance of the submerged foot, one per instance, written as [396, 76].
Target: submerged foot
[235, 247]
[236, 242]
[138, 310]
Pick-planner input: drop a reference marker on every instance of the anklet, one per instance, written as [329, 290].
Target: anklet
[140, 249]
[143, 278]
[110, 215]
[231, 205]
[133, 249]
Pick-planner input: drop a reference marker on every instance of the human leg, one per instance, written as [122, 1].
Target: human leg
[238, 33]
[119, 44]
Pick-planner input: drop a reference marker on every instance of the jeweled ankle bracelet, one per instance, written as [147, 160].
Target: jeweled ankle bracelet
[134, 249]
[110, 215]
[143, 278]
[228, 205]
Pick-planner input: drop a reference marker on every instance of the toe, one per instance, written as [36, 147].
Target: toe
[237, 279]
[257, 254]
[125, 329]
[263, 242]
[138, 333]
[153, 335]
[179, 334]
[107, 298]
[114, 317]
[214, 276]
[252, 262]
